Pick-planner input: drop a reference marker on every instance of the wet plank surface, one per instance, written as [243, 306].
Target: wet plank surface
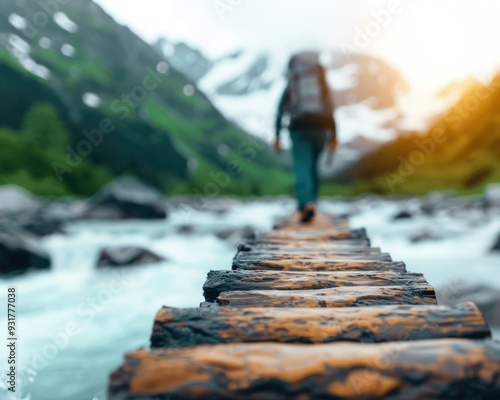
[358, 296]
[438, 369]
[190, 327]
[227, 281]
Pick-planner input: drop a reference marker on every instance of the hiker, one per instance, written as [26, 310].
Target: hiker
[308, 105]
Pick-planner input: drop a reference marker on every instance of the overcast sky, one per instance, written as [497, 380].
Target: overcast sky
[431, 41]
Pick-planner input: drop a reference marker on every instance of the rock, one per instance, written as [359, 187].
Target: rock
[21, 211]
[402, 215]
[14, 199]
[127, 256]
[496, 245]
[237, 235]
[185, 229]
[21, 251]
[487, 299]
[492, 195]
[127, 198]
[423, 237]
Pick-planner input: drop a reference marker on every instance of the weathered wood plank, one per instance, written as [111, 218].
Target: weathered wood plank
[321, 221]
[303, 245]
[434, 369]
[330, 265]
[190, 327]
[317, 258]
[355, 296]
[228, 281]
[315, 235]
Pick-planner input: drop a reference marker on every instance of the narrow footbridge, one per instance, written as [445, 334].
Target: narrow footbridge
[314, 312]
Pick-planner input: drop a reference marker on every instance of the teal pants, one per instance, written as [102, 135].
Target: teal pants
[306, 148]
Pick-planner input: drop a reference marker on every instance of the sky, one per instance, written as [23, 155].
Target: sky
[431, 42]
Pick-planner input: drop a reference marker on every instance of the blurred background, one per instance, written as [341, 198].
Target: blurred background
[138, 133]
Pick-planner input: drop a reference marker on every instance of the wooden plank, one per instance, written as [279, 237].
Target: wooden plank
[330, 265]
[433, 369]
[190, 327]
[315, 235]
[356, 296]
[252, 245]
[227, 281]
[316, 258]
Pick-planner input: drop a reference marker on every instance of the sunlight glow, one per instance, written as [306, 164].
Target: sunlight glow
[442, 40]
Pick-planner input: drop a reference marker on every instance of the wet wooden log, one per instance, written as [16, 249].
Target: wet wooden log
[303, 245]
[189, 327]
[330, 265]
[313, 251]
[356, 296]
[228, 281]
[430, 369]
[321, 221]
[343, 234]
[317, 258]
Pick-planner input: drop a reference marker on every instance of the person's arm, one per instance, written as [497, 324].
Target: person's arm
[279, 118]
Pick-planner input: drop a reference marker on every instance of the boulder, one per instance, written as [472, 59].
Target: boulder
[127, 256]
[14, 199]
[487, 298]
[21, 251]
[423, 237]
[237, 235]
[492, 195]
[127, 198]
[402, 215]
[496, 245]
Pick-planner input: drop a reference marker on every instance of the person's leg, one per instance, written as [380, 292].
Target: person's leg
[303, 159]
[318, 145]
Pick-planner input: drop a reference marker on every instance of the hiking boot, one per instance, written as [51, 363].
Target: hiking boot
[306, 213]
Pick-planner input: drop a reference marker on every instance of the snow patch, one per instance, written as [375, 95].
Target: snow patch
[65, 23]
[189, 90]
[162, 67]
[91, 100]
[20, 50]
[17, 21]
[45, 43]
[68, 50]
[223, 150]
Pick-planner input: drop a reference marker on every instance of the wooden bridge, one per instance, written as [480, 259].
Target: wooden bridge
[313, 312]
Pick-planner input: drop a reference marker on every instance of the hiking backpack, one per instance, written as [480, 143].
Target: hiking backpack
[309, 101]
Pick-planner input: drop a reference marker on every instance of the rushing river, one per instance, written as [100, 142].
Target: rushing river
[75, 322]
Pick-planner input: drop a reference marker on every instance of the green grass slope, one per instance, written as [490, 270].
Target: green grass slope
[461, 151]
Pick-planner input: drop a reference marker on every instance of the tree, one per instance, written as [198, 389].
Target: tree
[43, 128]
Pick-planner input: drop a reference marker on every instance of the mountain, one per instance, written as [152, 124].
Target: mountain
[460, 151]
[125, 109]
[246, 85]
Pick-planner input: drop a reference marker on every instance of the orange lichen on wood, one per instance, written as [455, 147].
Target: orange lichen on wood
[189, 327]
[226, 281]
[330, 265]
[357, 296]
[433, 369]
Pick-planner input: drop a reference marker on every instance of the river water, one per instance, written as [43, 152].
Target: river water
[75, 322]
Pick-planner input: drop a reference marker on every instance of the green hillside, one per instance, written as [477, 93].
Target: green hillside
[100, 77]
[461, 151]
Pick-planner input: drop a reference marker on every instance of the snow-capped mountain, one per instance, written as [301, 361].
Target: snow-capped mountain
[246, 86]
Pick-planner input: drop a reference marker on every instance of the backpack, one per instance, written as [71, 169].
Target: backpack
[309, 104]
